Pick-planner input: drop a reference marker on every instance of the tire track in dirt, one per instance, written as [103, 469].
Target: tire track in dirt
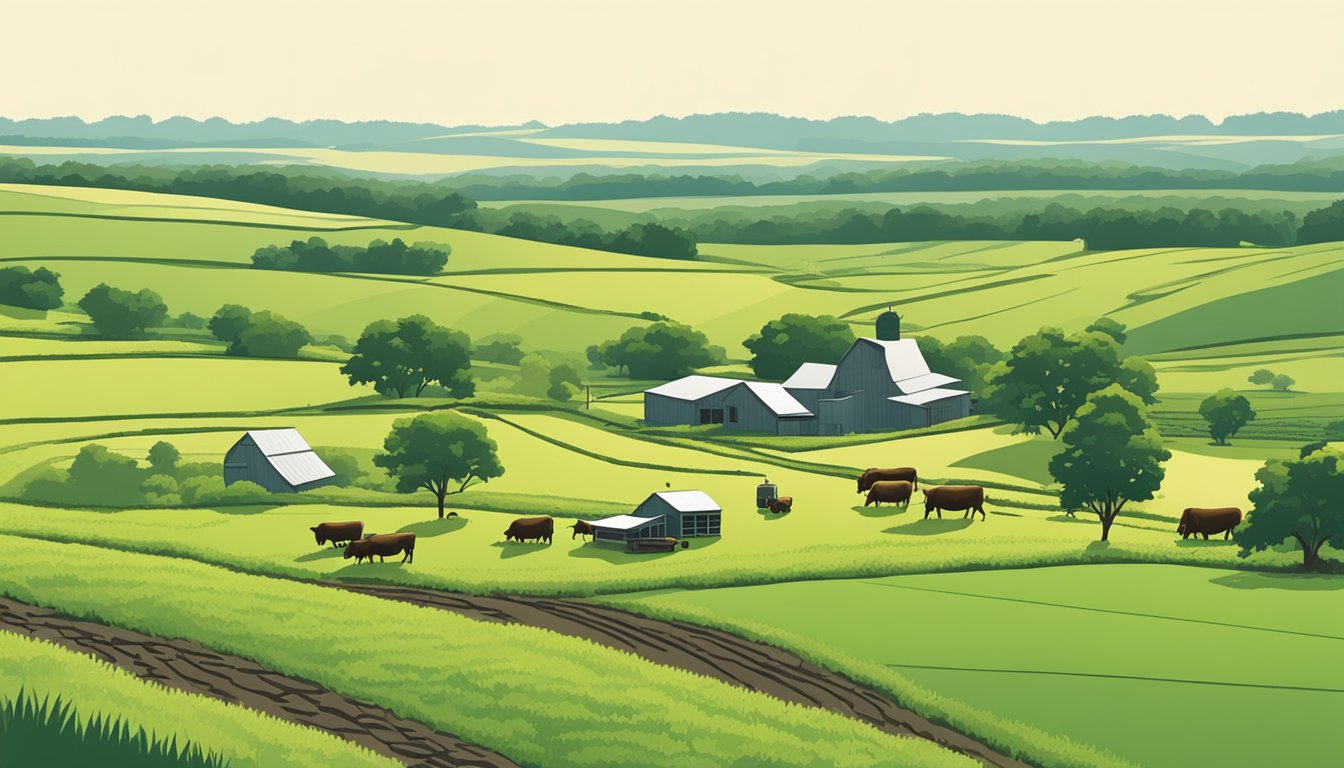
[711, 652]
[191, 667]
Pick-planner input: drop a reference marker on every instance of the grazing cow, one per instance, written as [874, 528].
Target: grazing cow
[381, 546]
[525, 528]
[955, 497]
[337, 532]
[873, 475]
[581, 527]
[781, 505]
[890, 491]
[1196, 521]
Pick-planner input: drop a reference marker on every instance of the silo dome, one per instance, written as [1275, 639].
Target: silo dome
[889, 326]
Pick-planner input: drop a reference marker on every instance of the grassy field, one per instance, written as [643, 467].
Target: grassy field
[243, 737]
[1204, 317]
[1160, 665]
[444, 670]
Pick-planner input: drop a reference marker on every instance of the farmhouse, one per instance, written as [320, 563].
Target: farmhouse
[279, 460]
[681, 514]
[879, 384]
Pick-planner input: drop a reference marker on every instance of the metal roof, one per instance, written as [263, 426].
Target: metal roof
[811, 376]
[623, 522]
[300, 468]
[928, 396]
[689, 501]
[277, 441]
[904, 360]
[692, 387]
[927, 381]
[776, 398]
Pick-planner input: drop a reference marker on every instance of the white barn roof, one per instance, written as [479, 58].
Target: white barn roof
[623, 522]
[692, 387]
[811, 376]
[689, 501]
[928, 396]
[927, 381]
[904, 360]
[290, 454]
[777, 399]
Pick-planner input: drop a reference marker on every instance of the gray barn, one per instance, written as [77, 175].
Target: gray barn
[279, 460]
[688, 513]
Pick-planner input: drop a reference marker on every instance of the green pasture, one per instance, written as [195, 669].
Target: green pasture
[114, 203]
[1160, 665]
[247, 739]
[540, 706]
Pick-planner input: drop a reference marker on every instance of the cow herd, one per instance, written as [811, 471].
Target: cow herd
[895, 485]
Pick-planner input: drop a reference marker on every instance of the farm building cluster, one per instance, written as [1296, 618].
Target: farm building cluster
[879, 384]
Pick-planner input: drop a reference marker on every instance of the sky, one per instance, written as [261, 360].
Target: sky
[500, 62]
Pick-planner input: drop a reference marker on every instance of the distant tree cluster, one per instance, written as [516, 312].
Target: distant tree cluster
[1281, 382]
[505, 348]
[1226, 413]
[118, 312]
[402, 357]
[30, 289]
[1100, 228]
[379, 257]
[662, 350]
[640, 239]
[969, 358]
[1325, 225]
[258, 334]
[784, 344]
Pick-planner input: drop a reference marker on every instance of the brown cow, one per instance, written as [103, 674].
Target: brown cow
[1198, 521]
[890, 491]
[381, 546]
[955, 497]
[873, 475]
[525, 528]
[581, 527]
[781, 505]
[337, 532]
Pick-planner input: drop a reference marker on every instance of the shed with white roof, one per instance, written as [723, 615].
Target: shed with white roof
[279, 460]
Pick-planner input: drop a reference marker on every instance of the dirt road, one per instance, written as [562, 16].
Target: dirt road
[720, 655]
[194, 668]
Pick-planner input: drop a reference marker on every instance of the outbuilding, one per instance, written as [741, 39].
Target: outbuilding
[688, 513]
[623, 528]
[279, 460]
[688, 400]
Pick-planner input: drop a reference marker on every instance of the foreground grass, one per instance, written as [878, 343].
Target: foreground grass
[538, 697]
[93, 688]
[1137, 658]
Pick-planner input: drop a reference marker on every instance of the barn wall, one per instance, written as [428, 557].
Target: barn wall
[244, 461]
[863, 372]
[835, 416]
[752, 415]
[947, 410]
[662, 411]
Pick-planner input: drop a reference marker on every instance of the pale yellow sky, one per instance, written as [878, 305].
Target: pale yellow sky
[507, 62]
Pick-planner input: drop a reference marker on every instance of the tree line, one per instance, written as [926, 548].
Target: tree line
[965, 177]
[414, 202]
[379, 257]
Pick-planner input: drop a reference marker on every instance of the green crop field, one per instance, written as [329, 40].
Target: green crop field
[1159, 665]
[846, 586]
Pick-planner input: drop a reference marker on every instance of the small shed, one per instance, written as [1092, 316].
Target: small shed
[688, 400]
[279, 460]
[623, 528]
[688, 513]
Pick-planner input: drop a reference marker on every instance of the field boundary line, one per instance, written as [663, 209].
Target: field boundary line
[1106, 676]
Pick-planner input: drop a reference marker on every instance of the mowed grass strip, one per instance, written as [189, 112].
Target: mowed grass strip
[1161, 665]
[245, 738]
[535, 696]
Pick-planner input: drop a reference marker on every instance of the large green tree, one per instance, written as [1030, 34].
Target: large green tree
[436, 451]
[662, 350]
[969, 358]
[1226, 413]
[1048, 376]
[1298, 500]
[402, 357]
[1112, 455]
[784, 344]
[116, 312]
